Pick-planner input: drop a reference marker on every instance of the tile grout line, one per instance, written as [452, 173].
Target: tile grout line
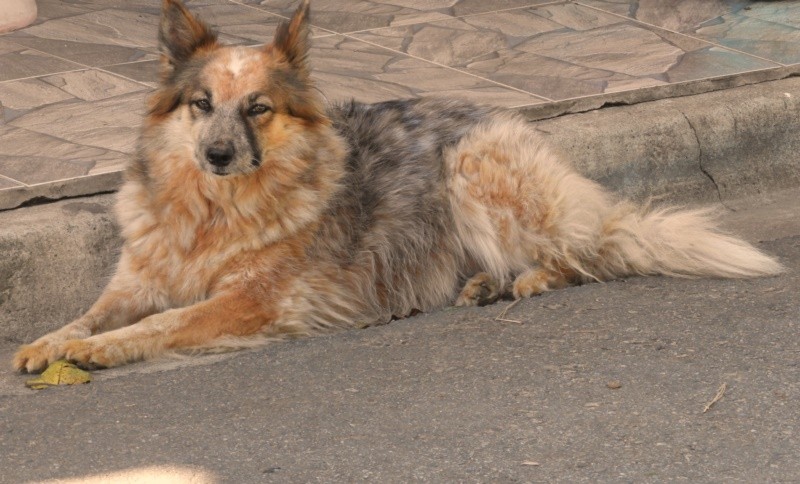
[141, 83]
[409, 22]
[50, 55]
[79, 177]
[253, 7]
[24, 185]
[7, 81]
[447, 67]
[83, 68]
[637, 21]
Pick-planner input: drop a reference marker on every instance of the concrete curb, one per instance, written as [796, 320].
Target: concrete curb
[56, 261]
[704, 148]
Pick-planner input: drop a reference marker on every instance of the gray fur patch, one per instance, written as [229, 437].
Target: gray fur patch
[392, 217]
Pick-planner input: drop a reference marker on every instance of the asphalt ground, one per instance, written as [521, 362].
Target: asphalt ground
[601, 383]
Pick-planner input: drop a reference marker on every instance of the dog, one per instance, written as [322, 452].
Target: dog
[253, 212]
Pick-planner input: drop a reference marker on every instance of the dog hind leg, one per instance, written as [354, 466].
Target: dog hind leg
[480, 290]
[537, 280]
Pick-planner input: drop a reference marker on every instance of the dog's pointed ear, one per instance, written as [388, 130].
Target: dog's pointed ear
[293, 39]
[181, 34]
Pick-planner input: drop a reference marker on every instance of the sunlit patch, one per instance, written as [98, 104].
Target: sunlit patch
[146, 475]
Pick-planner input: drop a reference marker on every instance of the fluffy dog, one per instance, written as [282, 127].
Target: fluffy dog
[253, 211]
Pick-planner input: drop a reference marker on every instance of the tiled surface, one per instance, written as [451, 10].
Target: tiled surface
[345, 68]
[564, 50]
[73, 85]
[353, 15]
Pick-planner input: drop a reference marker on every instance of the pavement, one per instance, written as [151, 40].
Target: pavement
[598, 383]
[685, 102]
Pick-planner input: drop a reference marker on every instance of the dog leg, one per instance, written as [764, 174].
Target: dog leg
[537, 280]
[115, 308]
[231, 314]
[480, 290]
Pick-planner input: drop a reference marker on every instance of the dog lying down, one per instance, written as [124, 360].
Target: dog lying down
[253, 211]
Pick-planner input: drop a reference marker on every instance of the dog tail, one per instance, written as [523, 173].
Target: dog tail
[675, 242]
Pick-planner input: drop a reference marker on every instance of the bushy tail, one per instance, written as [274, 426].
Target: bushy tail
[682, 243]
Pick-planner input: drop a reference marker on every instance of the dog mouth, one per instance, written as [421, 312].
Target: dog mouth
[220, 171]
[229, 170]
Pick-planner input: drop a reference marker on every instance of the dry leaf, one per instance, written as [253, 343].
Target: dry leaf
[59, 372]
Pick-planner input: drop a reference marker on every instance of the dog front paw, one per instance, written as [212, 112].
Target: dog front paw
[35, 357]
[93, 353]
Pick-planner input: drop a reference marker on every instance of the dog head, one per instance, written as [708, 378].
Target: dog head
[238, 107]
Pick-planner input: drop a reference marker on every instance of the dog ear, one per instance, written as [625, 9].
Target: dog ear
[181, 34]
[293, 38]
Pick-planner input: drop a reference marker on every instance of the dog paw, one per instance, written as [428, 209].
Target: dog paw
[93, 354]
[35, 357]
[479, 290]
[530, 284]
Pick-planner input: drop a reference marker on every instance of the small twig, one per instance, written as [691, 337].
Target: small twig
[717, 397]
[502, 316]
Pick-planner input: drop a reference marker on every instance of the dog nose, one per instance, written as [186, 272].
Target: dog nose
[220, 154]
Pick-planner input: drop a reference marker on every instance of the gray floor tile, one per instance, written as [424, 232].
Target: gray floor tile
[252, 25]
[34, 158]
[677, 15]
[110, 123]
[92, 84]
[767, 39]
[346, 68]
[17, 97]
[18, 61]
[354, 15]
[86, 53]
[145, 72]
[767, 29]
[124, 28]
[564, 51]
[53, 9]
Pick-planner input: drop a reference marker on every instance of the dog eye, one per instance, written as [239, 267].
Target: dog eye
[202, 105]
[257, 109]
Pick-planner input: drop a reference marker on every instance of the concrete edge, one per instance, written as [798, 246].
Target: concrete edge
[693, 87]
[27, 195]
[712, 147]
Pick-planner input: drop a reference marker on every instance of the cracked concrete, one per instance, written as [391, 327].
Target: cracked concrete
[748, 139]
[700, 159]
[628, 98]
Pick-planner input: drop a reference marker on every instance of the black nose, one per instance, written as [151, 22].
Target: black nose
[220, 154]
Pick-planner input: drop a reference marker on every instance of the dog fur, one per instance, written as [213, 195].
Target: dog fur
[253, 211]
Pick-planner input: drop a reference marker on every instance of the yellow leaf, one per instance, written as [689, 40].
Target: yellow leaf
[59, 372]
